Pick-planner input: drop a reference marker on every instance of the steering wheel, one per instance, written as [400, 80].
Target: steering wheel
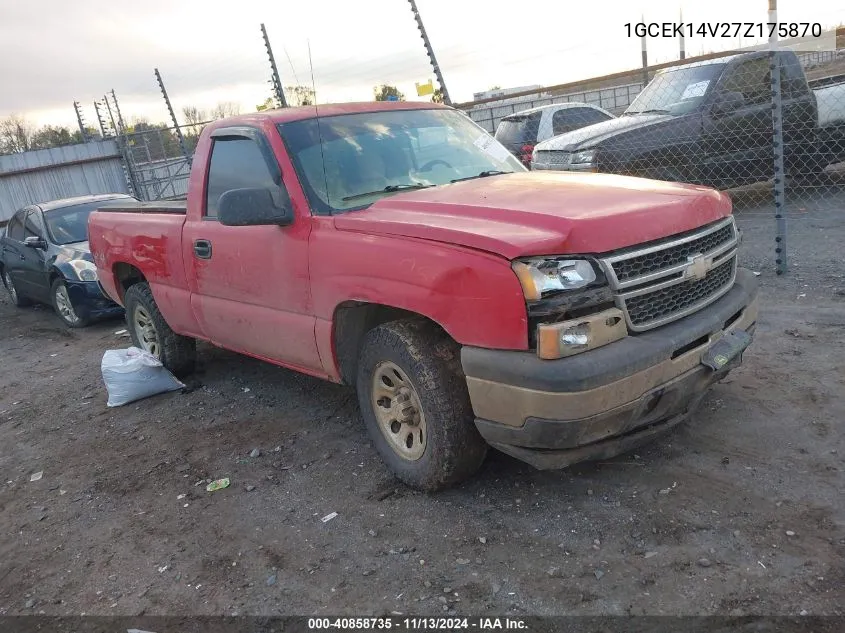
[430, 164]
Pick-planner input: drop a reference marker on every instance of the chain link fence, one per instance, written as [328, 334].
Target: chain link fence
[751, 124]
[159, 159]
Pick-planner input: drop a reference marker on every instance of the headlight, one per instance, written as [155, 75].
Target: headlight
[584, 156]
[543, 275]
[85, 270]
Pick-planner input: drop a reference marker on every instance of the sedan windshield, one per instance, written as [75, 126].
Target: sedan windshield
[675, 91]
[349, 161]
[70, 224]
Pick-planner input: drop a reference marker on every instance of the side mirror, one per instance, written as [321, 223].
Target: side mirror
[35, 242]
[253, 207]
[726, 102]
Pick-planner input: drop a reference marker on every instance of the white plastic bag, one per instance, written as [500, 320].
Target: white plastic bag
[131, 374]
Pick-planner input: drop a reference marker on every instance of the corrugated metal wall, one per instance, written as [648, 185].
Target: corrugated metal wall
[61, 172]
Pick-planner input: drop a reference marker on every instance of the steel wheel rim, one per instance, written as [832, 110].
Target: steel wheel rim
[64, 305]
[10, 286]
[145, 331]
[398, 411]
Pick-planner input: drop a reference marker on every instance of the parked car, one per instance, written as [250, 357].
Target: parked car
[44, 257]
[520, 132]
[399, 248]
[709, 123]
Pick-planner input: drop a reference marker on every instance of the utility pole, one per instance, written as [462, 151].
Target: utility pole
[275, 79]
[683, 42]
[430, 51]
[176, 127]
[81, 122]
[644, 53]
[777, 144]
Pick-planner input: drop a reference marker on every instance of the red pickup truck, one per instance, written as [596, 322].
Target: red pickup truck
[399, 248]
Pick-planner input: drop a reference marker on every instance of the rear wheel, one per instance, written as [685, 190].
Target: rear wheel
[64, 306]
[150, 332]
[415, 404]
[17, 300]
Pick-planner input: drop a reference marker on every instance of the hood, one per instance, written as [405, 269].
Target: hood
[592, 135]
[542, 213]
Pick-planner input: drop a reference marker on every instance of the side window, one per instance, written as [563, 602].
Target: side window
[751, 78]
[562, 121]
[15, 229]
[588, 116]
[235, 163]
[32, 225]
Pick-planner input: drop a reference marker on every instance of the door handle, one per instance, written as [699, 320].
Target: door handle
[22, 256]
[202, 249]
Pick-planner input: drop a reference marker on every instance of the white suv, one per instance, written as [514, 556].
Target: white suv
[521, 131]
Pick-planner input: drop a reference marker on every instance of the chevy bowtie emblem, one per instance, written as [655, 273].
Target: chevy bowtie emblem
[698, 267]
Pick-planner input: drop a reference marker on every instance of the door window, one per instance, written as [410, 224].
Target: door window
[750, 78]
[32, 226]
[15, 229]
[570, 119]
[236, 163]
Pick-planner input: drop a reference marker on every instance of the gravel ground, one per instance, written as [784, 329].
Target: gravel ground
[739, 511]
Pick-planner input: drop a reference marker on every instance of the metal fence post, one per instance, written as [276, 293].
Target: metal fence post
[177, 129]
[275, 79]
[123, 145]
[79, 119]
[430, 51]
[777, 146]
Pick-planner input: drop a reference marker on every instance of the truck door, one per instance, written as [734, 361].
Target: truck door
[738, 143]
[249, 284]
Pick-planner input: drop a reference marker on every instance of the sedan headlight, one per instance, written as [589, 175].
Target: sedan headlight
[540, 276]
[584, 156]
[85, 270]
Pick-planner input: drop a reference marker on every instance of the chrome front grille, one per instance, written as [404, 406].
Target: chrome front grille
[667, 280]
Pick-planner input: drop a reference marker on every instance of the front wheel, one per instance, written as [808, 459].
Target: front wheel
[63, 306]
[414, 401]
[150, 332]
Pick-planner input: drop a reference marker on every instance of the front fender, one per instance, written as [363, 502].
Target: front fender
[474, 296]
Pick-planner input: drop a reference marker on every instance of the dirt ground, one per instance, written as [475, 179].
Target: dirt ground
[739, 511]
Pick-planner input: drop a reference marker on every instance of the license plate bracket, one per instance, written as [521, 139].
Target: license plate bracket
[727, 351]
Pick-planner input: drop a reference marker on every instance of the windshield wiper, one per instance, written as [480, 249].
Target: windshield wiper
[654, 111]
[389, 189]
[483, 174]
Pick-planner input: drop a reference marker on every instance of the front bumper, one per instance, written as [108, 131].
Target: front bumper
[579, 167]
[553, 413]
[89, 300]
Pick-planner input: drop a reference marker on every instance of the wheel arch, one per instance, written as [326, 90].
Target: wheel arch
[350, 323]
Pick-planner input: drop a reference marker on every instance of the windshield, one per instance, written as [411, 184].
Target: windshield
[70, 224]
[676, 91]
[352, 160]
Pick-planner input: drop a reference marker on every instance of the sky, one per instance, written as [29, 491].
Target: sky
[56, 52]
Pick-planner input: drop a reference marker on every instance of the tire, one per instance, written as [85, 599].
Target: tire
[149, 331]
[420, 356]
[17, 300]
[64, 308]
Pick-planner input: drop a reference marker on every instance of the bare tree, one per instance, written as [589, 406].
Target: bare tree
[194, 117]
[300, 95]
[16, 134]
[225, 109]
